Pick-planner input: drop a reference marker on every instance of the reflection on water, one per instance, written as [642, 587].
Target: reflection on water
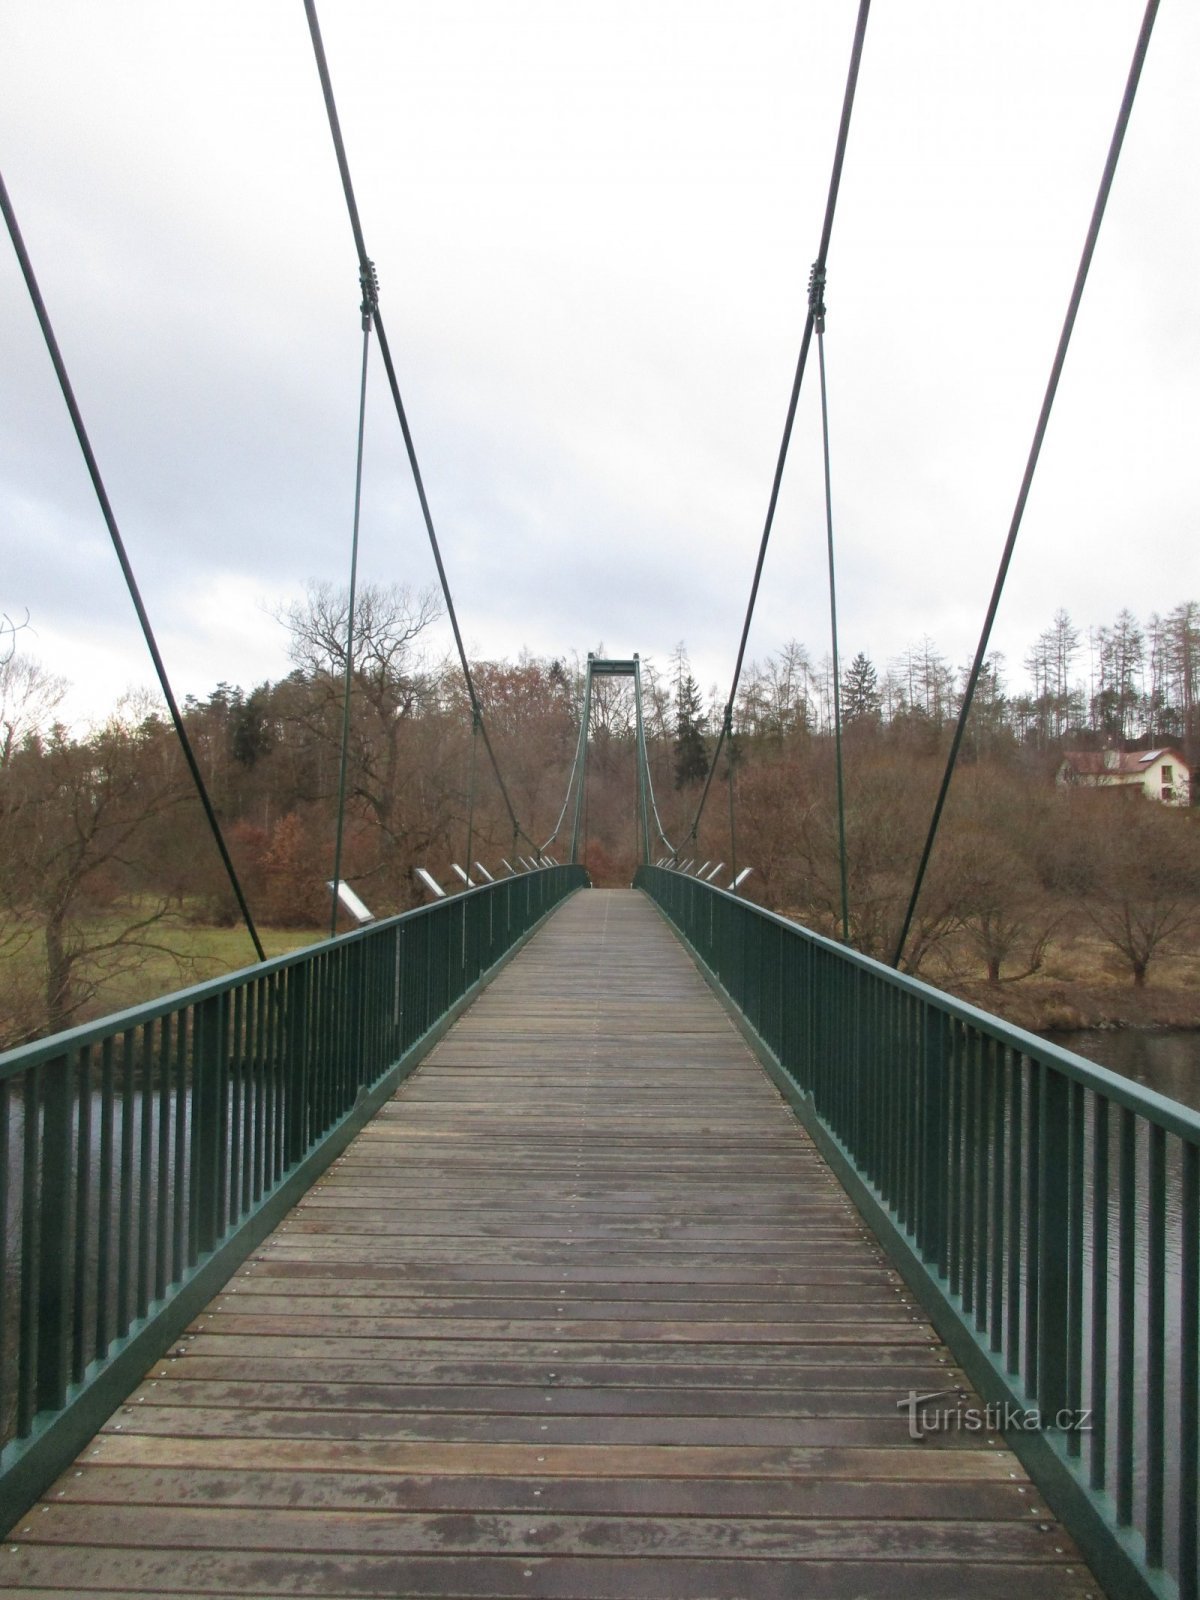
[1167, 1062]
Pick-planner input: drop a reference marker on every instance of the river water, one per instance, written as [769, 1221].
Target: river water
[1167, 1061]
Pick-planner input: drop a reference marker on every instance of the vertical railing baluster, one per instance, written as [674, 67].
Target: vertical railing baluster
[145, 1184]
[298, 1066]
[31, 1249]
[81, 1329]
[933, 1206]
[276, 1056]
[1075, 1270]
[263, 989]
[1016, 1190]
[971, 1165]
[162, 1219]
[104, 1202]
[180, 1174]
[7, 1265]
[249, 1132]
[958, 1087]
[1000, 1069]
[207, 1088]
[1033, 1223]
[234, 1094]
[909, 1120]
[1098, 1438]
[1050, 1384]
[982, 1143]
[1126, 1309]
[354, 1067]
[1189, 1359]
[54, 1299]
[126, 1282]
[1156, 1338]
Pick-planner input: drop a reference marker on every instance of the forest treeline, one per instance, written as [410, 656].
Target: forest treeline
[104, 855]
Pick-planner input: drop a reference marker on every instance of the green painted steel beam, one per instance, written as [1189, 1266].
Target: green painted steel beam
[600, 667]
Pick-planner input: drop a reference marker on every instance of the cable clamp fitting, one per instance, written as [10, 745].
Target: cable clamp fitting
[816, 295]
[369, 279]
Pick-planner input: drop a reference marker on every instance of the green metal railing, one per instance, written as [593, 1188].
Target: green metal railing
[142, 1156]
[1046, 1211]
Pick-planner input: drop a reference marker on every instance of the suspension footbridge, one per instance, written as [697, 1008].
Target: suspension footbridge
[560, 1241]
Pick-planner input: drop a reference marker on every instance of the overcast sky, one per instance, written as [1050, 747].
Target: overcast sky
[593, 226]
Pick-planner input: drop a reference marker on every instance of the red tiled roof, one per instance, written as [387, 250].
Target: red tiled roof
[1129, 763]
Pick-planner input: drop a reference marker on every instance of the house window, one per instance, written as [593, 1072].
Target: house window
[1168, 775]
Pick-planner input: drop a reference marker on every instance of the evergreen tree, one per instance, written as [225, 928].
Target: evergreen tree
[860, 690]
[691, 747]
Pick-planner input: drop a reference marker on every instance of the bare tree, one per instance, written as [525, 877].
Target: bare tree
[80, 866]
[395, 716]
[29, 698]
[1144, 872]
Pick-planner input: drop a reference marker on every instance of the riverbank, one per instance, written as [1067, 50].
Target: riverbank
[1081, 987]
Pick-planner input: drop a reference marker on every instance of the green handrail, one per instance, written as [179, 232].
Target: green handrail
[1046, 1211]
[144, 1155]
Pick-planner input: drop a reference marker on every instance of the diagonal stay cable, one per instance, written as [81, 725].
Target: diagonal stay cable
[1039, 434]
[835, 179]
[335, 129]
[68, 393]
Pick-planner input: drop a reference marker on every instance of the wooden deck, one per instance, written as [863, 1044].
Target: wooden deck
[581, 1313]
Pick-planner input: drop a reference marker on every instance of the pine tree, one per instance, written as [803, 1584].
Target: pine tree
[860, 690]
[691, 747]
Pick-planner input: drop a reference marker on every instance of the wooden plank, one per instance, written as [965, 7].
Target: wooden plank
[876, 1500]
[580, 1314]
[417, 1533]
[184, 1573]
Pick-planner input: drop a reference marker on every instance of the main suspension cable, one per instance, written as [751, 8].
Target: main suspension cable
[118, 543]
[335, 130]
[1039, 433]
[835, 179]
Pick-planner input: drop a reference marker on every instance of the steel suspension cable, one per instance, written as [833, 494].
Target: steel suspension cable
[571, 776]
[1039, 434]
[654, 807]
[645, 758]
[816, 299]
[471, 793]
[370, 290]
[118, 544]
[732, 820]
[335, 130]
[835, 179]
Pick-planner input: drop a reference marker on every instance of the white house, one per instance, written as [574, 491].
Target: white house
[1160, 774]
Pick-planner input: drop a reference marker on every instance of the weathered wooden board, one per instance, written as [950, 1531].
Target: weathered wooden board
[580, 1314]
